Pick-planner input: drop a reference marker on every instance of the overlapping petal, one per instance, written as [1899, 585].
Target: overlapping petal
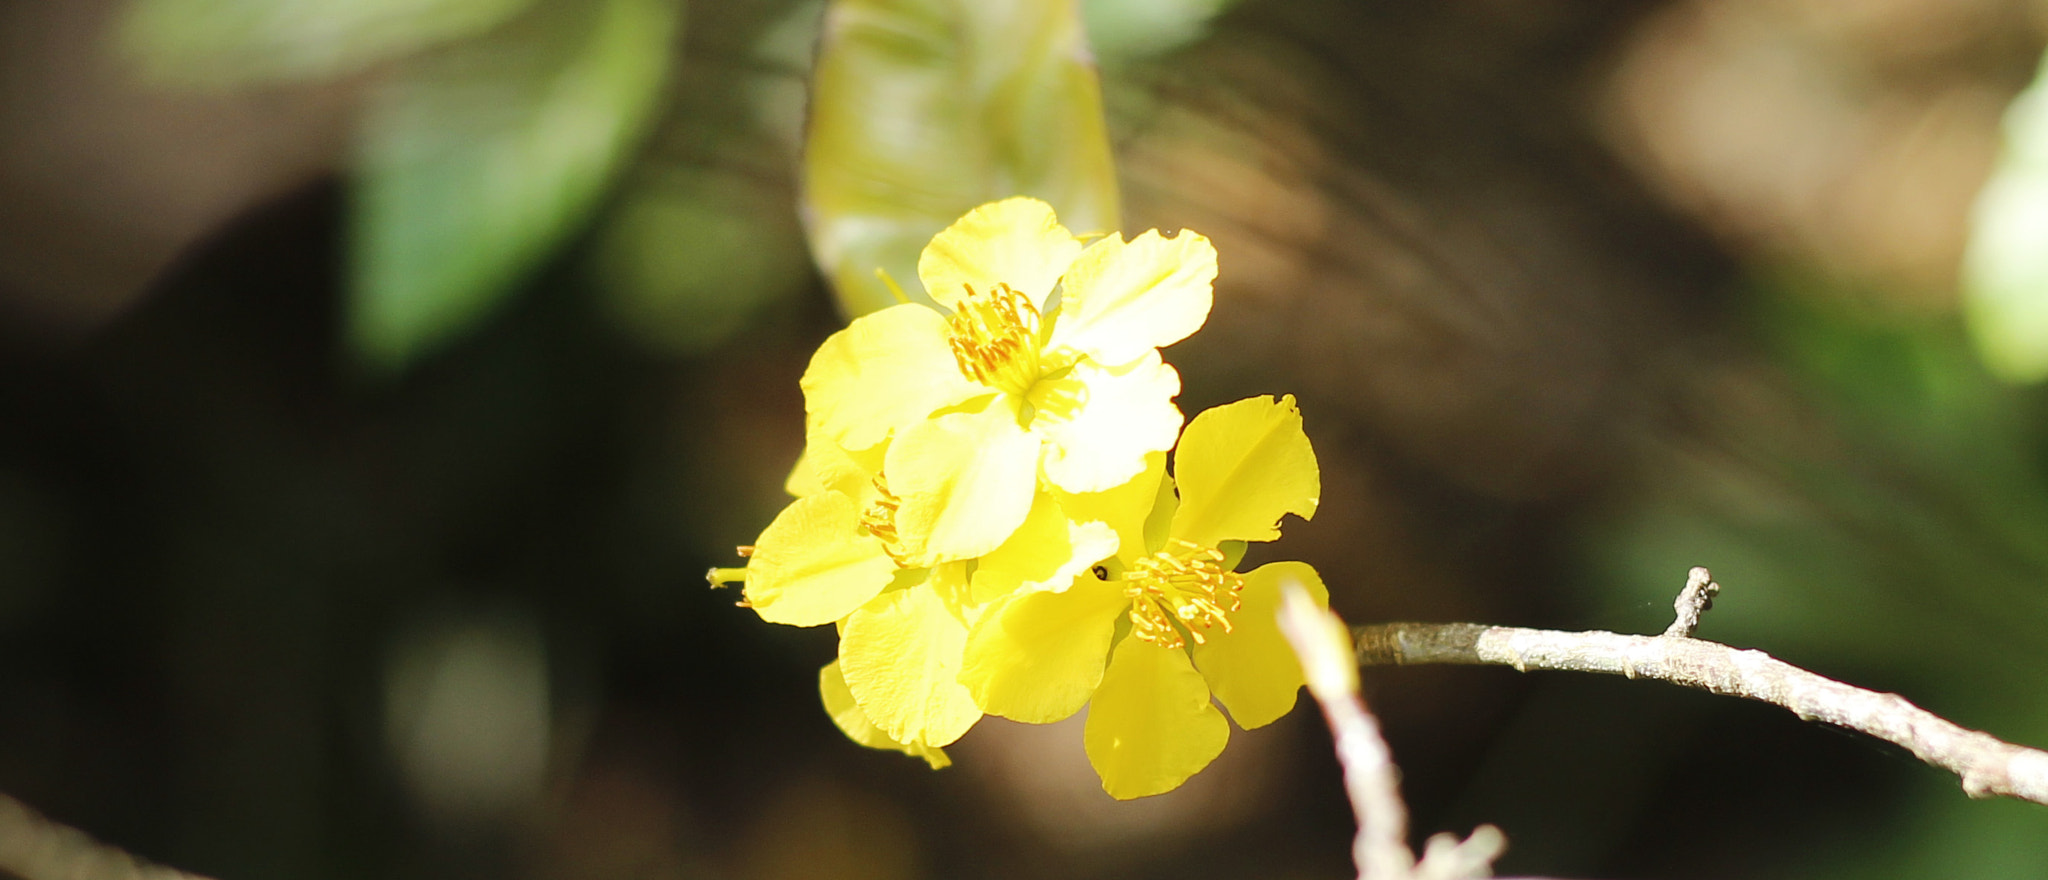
[900, 654]
[1046, 552]
[965, 480]
[884, 371]
[812, 565]
[1016, 241]
[1101, 422]
[1241, 467]
[1121, 300]
[847, 716]
[1253, 671]
[1038, 656]
[1151, 725]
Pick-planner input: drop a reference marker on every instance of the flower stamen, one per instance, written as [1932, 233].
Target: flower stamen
[1185, 584]
[879, 520]
[994, 336]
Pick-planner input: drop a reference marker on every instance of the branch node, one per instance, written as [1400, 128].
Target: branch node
[1693, 601]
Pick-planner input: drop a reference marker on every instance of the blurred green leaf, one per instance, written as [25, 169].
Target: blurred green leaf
[922, 109]
[476, 162]
[691, 256]
[233, 42]
[1123, 29]
[2005, 272]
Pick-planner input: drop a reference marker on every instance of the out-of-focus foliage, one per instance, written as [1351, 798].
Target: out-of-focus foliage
[1121, 29]
[2006, 269]
[237, 42]
[1898, 533]
[475, 162]
[922, 109]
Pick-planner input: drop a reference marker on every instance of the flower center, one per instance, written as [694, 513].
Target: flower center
[879, 520]
[994, 335]
[1185, 583]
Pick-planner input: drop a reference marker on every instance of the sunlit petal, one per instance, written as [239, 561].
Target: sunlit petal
[901, 657]
[1037, 656]
[965, 480]
[1123, 414]
[812, 565]
[1125, 507]
[1251, 669]
[882, 372]
[1151, 725]
[850, 720]
[1016, 241]
[1240, 467]
[1045, 553]
[1122, 300]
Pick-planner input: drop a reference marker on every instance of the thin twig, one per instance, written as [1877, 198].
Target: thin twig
[1371, 780]
[1987, 765]
[34, 848]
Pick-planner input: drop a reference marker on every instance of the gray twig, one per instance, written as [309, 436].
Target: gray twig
[1371, 780]
[1987, 765]
[34, 848]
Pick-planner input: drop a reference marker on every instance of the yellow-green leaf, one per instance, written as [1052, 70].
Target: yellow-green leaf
[924, 109]
[2005, 270]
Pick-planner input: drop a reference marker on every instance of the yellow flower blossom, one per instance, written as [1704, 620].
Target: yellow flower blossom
[1195, 628]
[1042, 359]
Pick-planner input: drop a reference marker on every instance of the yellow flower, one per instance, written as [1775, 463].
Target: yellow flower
[1196, 628]
[999, 385]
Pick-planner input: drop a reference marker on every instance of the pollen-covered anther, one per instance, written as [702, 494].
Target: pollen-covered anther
[1184, 584]
[994, 336]
[879, 520]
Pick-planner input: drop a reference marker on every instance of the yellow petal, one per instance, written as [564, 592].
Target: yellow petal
[850, 720]
[826, 465]
[965, 480]
[1251, 669]
[1101, 422]
[1124, 507]
[883, 371]
[1045, 553]
[1122, 300]
[901, 657]
[1151, 725]
[1240, 467]
[1016, 241]
[812, 565]
[1038, 656]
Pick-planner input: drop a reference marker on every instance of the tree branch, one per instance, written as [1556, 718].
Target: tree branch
[1987, 766]
[35, 848]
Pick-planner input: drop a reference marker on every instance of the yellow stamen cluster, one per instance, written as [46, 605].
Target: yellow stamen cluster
[1185, 583]
[879, 520]
[995, 338]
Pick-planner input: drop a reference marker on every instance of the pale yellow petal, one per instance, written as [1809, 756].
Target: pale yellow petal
[1240, 467]
[901, 657]
[1251, 669]
[1122, 300]
[1124, 507]
[1101, 422]
[965, 480]
[1045, 553]
[1151, 725]
[885, 370]
[812, 565]
[1037, 657]
[1016, 241]
[826, 465]
[847, 716]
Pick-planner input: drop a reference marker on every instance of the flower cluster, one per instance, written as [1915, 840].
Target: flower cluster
[985, 511]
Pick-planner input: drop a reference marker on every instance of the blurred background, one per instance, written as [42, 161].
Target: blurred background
[377, 379]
